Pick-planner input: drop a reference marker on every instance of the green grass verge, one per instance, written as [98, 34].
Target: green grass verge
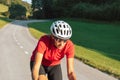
[96, 44]
[3, 21]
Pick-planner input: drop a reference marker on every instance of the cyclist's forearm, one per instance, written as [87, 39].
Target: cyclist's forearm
[70, 69]
[72, 76]
[36, 67]
[70, 65]
[35, 74]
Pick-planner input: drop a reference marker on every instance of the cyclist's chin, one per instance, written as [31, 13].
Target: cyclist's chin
[59, 47]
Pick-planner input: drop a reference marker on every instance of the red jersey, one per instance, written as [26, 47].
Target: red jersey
[51, 54]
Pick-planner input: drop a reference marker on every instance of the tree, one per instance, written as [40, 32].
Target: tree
[37, 9]
[27, 5]
[9, 2]
[37, 5]
[47, 8]
[3, 1]
[42, 7]
[17, 11]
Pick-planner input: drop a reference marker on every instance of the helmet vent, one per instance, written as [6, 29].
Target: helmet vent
[55, 25]
[67, 32]
[57, 31]
[53, 30]
[61, 32]
[60, 25]
[64, 26]
[64, 32]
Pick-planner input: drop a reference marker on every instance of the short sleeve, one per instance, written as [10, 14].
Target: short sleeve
[41, 47]
[70, 50]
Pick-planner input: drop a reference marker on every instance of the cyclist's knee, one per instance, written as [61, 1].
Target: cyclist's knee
[43, 77]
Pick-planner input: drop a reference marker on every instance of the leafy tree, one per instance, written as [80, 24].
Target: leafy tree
[37, 4]
[47, 8]
[3, 1]
[16, 1]
[27, 5]
[42, 7]
[9, 2]
[37, 8]
[90, 9]
[17, 11]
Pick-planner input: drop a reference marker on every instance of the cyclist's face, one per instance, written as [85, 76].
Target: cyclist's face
[59, 43]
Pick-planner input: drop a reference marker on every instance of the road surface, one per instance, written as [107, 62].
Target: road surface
[16, 46]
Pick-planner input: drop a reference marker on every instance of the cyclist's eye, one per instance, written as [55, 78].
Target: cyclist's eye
[59, 40]
[55, 38]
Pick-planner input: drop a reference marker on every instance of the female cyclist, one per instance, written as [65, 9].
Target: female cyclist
[45, 60]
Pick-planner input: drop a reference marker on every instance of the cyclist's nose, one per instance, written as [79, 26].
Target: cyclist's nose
[61, 43]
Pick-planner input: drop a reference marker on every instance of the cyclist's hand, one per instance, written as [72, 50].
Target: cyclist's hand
[72, 76]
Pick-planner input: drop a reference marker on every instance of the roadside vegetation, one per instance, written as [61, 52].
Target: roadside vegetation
[97, 43]
[13, 9]
[3, 8]
[3, 19]
[16, 9]
[107, 10]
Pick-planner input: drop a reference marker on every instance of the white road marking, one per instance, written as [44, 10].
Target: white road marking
[21, 46]
[26, 52]
[14, 37]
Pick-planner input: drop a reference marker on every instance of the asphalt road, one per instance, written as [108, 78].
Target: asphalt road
[16, 46]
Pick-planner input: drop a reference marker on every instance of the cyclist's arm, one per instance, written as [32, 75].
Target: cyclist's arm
[70, 69]
[37, 63]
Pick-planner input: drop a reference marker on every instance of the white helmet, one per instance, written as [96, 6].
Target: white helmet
[61, 29]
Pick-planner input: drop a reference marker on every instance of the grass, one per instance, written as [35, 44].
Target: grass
[3, 8]
[3, 19]
[96, 43]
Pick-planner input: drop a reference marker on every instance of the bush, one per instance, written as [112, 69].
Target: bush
[38, 14]
[58, 12]
[17, 10]
[7, 14]
[83, 10]
[108, 12]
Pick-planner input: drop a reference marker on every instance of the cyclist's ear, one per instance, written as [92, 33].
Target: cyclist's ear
[52, 36]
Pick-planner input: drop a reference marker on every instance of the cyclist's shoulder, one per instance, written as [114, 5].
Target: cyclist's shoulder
[45, 37]
[70, 42]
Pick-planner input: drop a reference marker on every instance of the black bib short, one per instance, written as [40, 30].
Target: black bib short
[53, 72]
